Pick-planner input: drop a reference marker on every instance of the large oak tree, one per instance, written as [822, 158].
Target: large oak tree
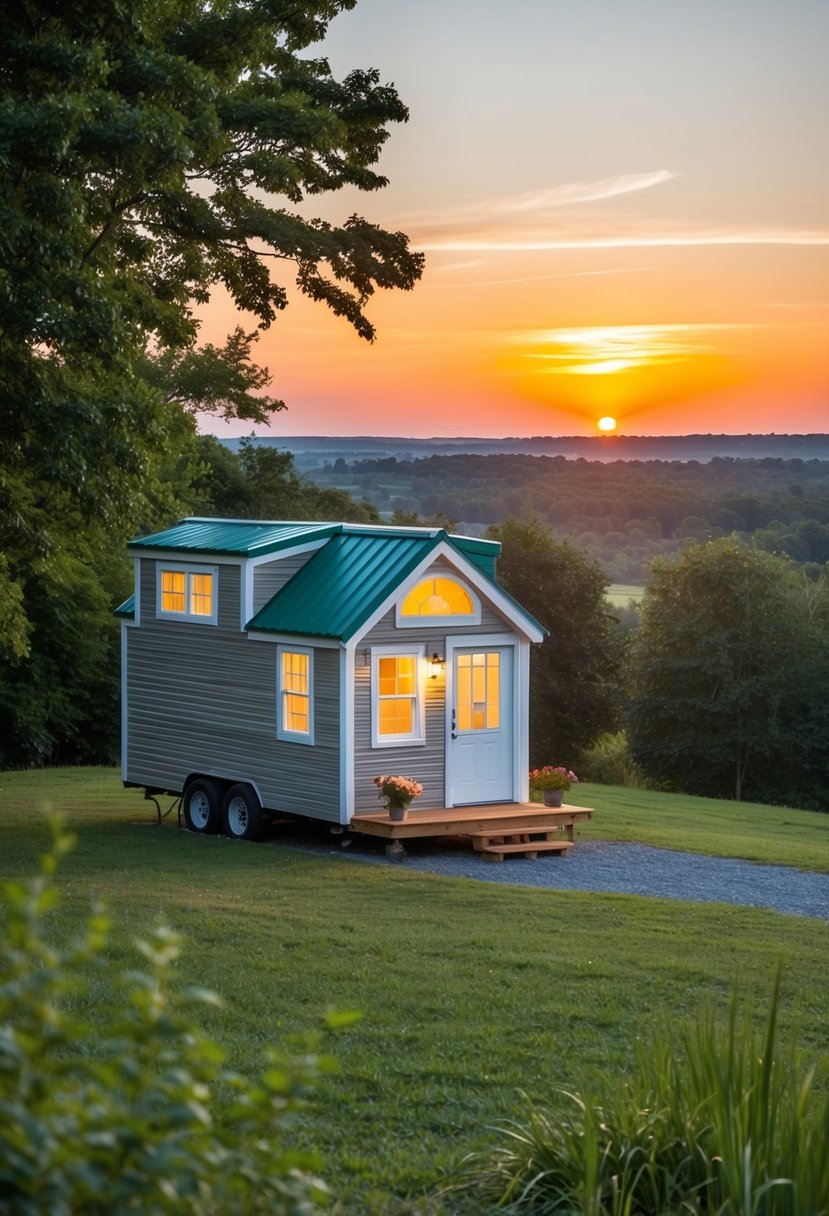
[152, 151]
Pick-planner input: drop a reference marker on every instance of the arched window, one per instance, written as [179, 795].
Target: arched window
[438, 596]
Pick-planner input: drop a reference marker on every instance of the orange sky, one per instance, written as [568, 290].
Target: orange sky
[621, 215]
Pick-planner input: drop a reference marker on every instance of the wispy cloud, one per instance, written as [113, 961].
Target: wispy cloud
[642, 240]
[472, 226]
[567, 217]
[527, 278]
[580, 192]
[602, 350]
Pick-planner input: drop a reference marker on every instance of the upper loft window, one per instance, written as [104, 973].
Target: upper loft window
[439, 599]
[188, 593]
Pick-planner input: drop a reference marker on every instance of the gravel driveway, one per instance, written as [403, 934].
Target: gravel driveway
[618, 868]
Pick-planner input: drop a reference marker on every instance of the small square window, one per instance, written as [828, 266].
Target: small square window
[188, 593]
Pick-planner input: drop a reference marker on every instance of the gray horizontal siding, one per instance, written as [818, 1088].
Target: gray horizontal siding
[202, 698]
[270, 577]
[423, 763]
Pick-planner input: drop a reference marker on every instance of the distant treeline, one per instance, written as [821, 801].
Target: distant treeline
[312, 451]
[622, 512]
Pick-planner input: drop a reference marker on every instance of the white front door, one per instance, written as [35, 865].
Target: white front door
[482, 754]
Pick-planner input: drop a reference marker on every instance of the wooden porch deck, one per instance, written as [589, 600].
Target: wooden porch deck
[496, 830]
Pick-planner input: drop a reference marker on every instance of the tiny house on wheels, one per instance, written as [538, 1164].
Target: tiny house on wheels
[277, 668]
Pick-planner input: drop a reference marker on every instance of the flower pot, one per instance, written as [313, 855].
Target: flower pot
[397, 814]
[553, 797]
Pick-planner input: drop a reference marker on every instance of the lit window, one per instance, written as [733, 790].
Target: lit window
[439, 598]
[295, 713]
[173, 583]
[188, 593]
[396, 698]
[201, 594]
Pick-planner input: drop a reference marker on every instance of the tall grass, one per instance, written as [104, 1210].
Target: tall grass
[716, 1119]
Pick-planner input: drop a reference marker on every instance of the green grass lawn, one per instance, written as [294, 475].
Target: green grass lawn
[705, 825]
[470, 991]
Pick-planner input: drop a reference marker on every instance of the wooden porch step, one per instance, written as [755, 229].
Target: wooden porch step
[495, 836]
[527, 848]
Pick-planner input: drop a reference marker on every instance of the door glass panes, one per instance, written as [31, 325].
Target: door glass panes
[479, 690]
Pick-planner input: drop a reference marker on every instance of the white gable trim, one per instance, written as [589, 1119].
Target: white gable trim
[486, 590]
[347, 732]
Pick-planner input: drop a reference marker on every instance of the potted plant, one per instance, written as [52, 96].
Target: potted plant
[398, 793]
[552, 782]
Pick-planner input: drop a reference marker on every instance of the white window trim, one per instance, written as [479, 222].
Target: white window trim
[421, 622]
[282, 732]
[418, 737]
[188, 570]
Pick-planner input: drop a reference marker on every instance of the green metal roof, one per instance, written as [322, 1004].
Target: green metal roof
[237, 537]
[336, 592]
[127, 609]
[343, 583]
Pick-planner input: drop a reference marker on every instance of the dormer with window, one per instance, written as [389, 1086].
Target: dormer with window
[187, 593]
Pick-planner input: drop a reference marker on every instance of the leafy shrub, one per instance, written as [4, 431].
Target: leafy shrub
[720, 1122]
[122, 1116]
[608, 762]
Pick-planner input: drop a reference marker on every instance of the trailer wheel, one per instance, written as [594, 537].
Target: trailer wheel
[203, 806]
[242, 813]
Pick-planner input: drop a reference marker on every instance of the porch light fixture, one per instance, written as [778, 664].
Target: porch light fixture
[436, 666]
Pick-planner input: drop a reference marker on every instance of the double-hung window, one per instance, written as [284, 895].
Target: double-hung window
[187, 593]
[295, 694]
[397, 696]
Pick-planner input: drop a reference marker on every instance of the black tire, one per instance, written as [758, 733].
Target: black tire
[202, 805]
[241, 813]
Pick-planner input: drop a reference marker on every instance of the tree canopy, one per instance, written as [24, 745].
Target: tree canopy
[151, 152]
[148, 150]
[729, 673]
[574, 673]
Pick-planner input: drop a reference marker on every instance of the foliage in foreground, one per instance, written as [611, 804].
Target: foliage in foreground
[122, 1116]
[716, 1120]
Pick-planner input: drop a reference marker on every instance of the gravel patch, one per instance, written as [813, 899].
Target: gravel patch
[615, 868]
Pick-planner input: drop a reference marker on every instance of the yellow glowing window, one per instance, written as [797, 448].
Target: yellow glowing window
[173, 590]
[479, 690]
[396, 692]
[295, 686]
[187, 593]
[201, 594]
[438, 596]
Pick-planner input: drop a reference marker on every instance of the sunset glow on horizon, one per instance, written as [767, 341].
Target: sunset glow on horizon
[633, 225]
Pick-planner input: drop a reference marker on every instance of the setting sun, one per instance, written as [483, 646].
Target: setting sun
[606, 424]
